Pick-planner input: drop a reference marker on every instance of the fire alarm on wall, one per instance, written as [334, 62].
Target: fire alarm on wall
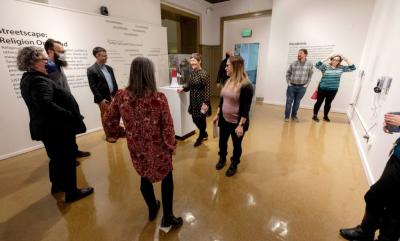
[104, 10]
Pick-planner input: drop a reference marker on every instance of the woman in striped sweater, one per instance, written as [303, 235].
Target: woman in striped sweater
[329, 84]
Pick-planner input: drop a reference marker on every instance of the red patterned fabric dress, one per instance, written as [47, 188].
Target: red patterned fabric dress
[149, 131]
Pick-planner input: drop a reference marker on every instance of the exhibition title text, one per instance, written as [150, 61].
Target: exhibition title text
[22, 37]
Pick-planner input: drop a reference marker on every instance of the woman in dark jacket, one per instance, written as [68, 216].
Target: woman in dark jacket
[55, 119]
[199, 87]
[233, 112]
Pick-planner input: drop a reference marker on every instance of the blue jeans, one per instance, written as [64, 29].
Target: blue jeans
[294, 94]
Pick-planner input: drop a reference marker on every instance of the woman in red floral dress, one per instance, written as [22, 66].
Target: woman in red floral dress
[150, 136]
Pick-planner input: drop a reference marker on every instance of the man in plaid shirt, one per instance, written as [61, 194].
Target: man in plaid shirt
[298, 76]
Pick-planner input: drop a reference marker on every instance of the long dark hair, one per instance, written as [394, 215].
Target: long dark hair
[239, 75]
[141, 77]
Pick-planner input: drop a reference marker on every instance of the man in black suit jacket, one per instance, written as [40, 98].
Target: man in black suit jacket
[103, 85]
[56, 54]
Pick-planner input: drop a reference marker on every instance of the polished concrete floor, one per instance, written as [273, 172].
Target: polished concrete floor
[297, 181]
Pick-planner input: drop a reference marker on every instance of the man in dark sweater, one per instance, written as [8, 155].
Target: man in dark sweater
[56, 53]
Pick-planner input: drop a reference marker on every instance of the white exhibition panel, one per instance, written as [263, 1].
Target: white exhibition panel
[179, 104]
[80, 33]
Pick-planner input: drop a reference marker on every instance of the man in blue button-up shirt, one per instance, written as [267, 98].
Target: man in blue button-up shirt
[102, 83]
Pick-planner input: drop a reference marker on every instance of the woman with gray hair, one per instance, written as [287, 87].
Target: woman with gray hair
[55, 119]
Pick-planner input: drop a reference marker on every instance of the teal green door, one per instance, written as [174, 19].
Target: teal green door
[249, 52]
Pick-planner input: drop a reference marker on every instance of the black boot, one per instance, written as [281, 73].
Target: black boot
[315, 118]
[170, 222]
[205, 136]
[198, 141]
[78, 194]
[148, 195]
[231, 170]
[154, 211]
[356, 233]
[220, 164]
[363, 232]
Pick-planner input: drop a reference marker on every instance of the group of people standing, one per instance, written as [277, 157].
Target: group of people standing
[55, 119]
[298, 77]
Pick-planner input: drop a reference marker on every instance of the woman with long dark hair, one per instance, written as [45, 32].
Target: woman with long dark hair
[233, 112]
[150, 135]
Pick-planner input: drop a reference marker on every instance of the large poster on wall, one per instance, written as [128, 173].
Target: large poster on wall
[24, 23]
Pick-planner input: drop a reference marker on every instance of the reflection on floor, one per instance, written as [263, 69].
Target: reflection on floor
[297, 181]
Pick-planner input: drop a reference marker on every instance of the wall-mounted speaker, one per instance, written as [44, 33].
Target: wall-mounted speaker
[104, 10]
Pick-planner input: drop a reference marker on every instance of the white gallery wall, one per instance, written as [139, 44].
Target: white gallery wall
[341, 23]
[380, 58]
[80, 32]
[202, 9]
[235, 7]
[210, 14]
[147, 11]
[260, 33]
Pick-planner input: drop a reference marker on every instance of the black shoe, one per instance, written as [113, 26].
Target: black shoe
[221, 163]
[231, 171]
[55, 189]
[170, 223]
[77, 163]
[153, 213]
[327, 119]
[356, 233]
[78, 194]
[198, 142]
[315, 118]
[82, 154]
[205, 137]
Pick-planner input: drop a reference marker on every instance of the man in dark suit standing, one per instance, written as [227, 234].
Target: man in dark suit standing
[56, 53]
[103, 85]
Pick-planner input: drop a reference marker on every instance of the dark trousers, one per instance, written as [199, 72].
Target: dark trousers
[294, 94]
[383, 202]
[61, 150]
[227, 129]
[167, 193]
[328, 96]
[201, 123]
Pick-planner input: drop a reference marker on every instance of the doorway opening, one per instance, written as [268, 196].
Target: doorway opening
[249, 53]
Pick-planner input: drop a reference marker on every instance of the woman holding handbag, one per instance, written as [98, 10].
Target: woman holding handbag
[329, 83]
